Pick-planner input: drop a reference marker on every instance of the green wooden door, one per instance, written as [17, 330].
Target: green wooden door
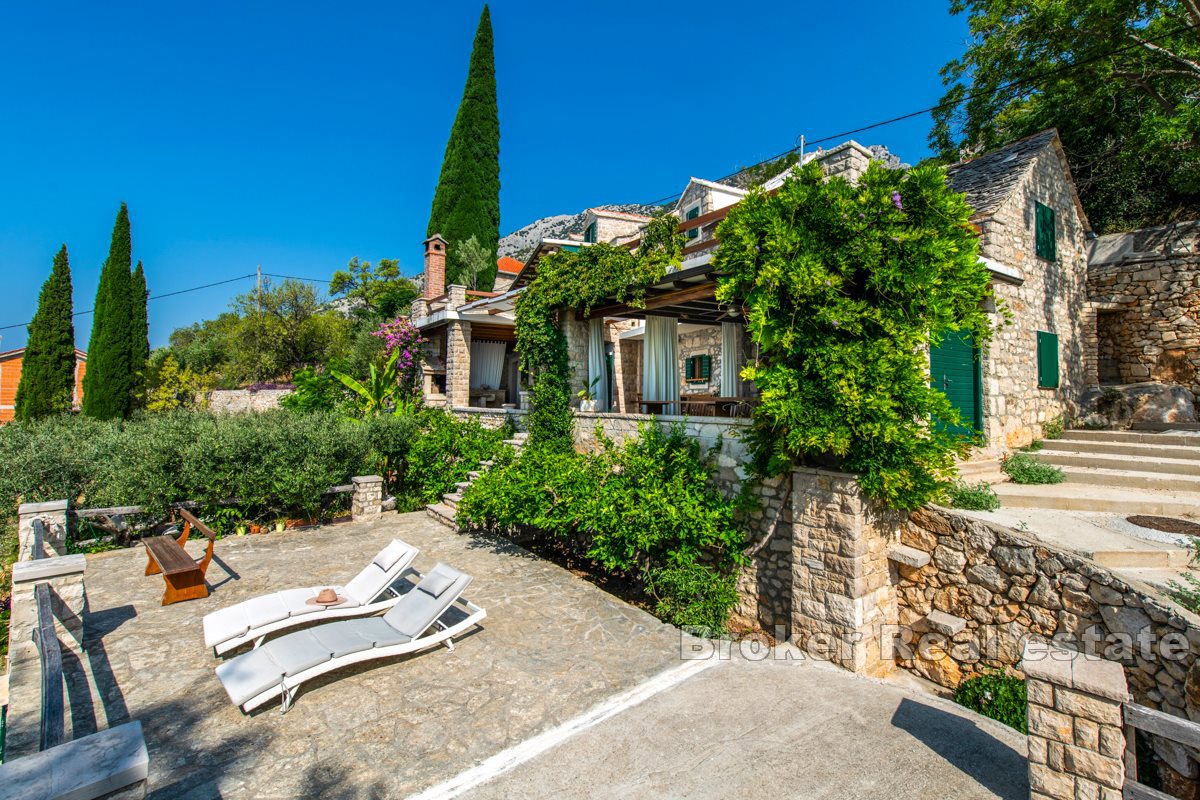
[955, 369]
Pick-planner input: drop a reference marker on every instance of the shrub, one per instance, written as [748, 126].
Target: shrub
[1187, 594]
[1053, 429]
[1023, 468]
[973, 497]
[444, 450]
[644, 510]
[996, 695]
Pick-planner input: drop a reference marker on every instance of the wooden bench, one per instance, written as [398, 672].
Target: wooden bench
[184, 576]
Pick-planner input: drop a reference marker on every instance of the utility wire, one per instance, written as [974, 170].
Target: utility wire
[297, 278]
[1004, 87]
[152, 297]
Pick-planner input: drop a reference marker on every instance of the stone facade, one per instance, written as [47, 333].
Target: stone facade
[458, 363]
[704, 341]
[1076, 740]
[1051, 296]
[53, 516]
[1144, 288]
[245, 401]
[367, 499]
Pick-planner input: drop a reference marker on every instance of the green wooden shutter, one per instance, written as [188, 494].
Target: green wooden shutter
[1044, 233]
[1047, 356]
[705, 367]
[693, 232]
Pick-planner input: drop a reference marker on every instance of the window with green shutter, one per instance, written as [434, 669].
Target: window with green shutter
[1047, 360]
[589, 235]
[697, 369]
[692, 214]
[1044, 233]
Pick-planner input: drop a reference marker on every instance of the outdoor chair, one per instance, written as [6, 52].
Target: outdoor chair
[368, 593]
[280, 666]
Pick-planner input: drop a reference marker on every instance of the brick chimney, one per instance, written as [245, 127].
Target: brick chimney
[435, 266]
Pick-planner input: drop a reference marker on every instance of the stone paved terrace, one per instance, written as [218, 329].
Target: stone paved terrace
[552, 648]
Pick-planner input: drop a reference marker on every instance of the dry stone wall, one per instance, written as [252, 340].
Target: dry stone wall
[245, 401]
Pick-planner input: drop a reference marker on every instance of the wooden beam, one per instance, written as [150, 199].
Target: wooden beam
[700, 291]
[1167, 726]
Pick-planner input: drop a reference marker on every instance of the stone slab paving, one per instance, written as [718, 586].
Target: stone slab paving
[552, 647]
[780, 729]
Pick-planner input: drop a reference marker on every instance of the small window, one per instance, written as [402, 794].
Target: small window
[697, 369]
[1047, 360]
[1044, 233]
[692, 214]
[589, 235]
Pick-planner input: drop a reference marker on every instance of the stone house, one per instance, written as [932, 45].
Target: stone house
[1144, 289]
[10, 378]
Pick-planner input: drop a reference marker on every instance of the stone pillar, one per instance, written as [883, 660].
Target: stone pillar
[367, 501]
[1076, 741]
[843, 602]
[458, 364]
[576, 332]
[54, 519]
[64, 575]
[1088, 324]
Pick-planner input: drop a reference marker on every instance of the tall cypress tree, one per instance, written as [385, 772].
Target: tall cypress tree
[48, 366]
[140, 342]
[467, 200]
[109, 380]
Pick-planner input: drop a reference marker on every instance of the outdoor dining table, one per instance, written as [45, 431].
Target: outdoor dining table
[711, 406]
[655, 406]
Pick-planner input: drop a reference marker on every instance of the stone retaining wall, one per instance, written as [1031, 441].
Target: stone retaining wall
[243, 401]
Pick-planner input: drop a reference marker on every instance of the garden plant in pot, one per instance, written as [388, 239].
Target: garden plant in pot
[587, 398]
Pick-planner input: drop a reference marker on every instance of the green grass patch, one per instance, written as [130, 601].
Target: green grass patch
[1023, 468]
[973, 496]
[996, 695]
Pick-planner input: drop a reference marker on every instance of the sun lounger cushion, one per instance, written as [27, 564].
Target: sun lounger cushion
[249, 674]
[366, 584]
[389, 555]
[342, 638]
[422, 605]
[296, 600]
[376, 632]
[264, 610]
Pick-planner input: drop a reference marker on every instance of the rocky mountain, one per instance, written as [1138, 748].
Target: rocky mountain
[520, 243]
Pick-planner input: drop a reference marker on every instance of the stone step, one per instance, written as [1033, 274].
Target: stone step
[442, 513]
[1106, 538]
[1128, 449]
[489, 464]
[462, 486]
[516, 443]
[1082, 497]
[1128, 437]
[908, 556]
[943, 623]
[474, 475]
[985, 471]
[1164, 466]
[1132, 479]
[452, 500]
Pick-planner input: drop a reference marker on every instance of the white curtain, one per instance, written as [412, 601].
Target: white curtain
[731, 358]
[487, 364]
[597, 364]
[660, 374]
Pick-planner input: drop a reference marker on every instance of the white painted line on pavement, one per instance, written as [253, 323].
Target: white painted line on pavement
[518, 754]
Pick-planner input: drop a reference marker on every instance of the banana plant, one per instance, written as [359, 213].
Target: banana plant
[378, 392]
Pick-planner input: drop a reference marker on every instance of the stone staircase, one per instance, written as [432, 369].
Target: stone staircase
[988, 471]
[445, 510]
[1116, 471]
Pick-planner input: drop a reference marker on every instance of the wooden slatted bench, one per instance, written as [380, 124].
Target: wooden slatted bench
[184, 576]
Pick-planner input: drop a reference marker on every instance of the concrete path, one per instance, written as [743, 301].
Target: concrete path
[780, 729]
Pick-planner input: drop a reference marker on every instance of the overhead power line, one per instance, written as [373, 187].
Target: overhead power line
[1004, 87]
[152, 297]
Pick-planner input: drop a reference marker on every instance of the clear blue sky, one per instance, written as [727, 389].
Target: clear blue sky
[298, 135]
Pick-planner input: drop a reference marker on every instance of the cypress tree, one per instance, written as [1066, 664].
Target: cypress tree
[467, 200]
[140, 342]
[109, 380]
[48, 366]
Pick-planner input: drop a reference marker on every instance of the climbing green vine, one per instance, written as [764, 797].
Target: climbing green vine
[845, 287]
[569, 281]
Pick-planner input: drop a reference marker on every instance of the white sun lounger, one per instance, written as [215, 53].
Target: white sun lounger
[281, 665]
[368, 593]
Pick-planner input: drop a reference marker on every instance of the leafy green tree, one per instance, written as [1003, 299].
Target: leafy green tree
[467, 200]
[845, 287]
[472, 262]
[1118, 79]
[48, 367]
[110, 379]
[176, 387]
[375, 292]
[283, 328]
[140, 343]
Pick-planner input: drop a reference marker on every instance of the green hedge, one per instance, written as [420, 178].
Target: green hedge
[644, 510]
[274, 463]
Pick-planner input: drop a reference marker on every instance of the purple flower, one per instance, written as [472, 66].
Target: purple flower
[896, 201]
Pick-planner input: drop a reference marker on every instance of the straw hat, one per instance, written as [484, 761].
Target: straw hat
[326, 597]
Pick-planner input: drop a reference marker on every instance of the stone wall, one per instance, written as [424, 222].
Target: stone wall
[701, 342]
[1052, 298]
[492, 418]
[244, 401]
[1145, 288]
[988, 589]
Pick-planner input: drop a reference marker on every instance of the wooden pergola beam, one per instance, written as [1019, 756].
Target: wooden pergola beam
[701, 291]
